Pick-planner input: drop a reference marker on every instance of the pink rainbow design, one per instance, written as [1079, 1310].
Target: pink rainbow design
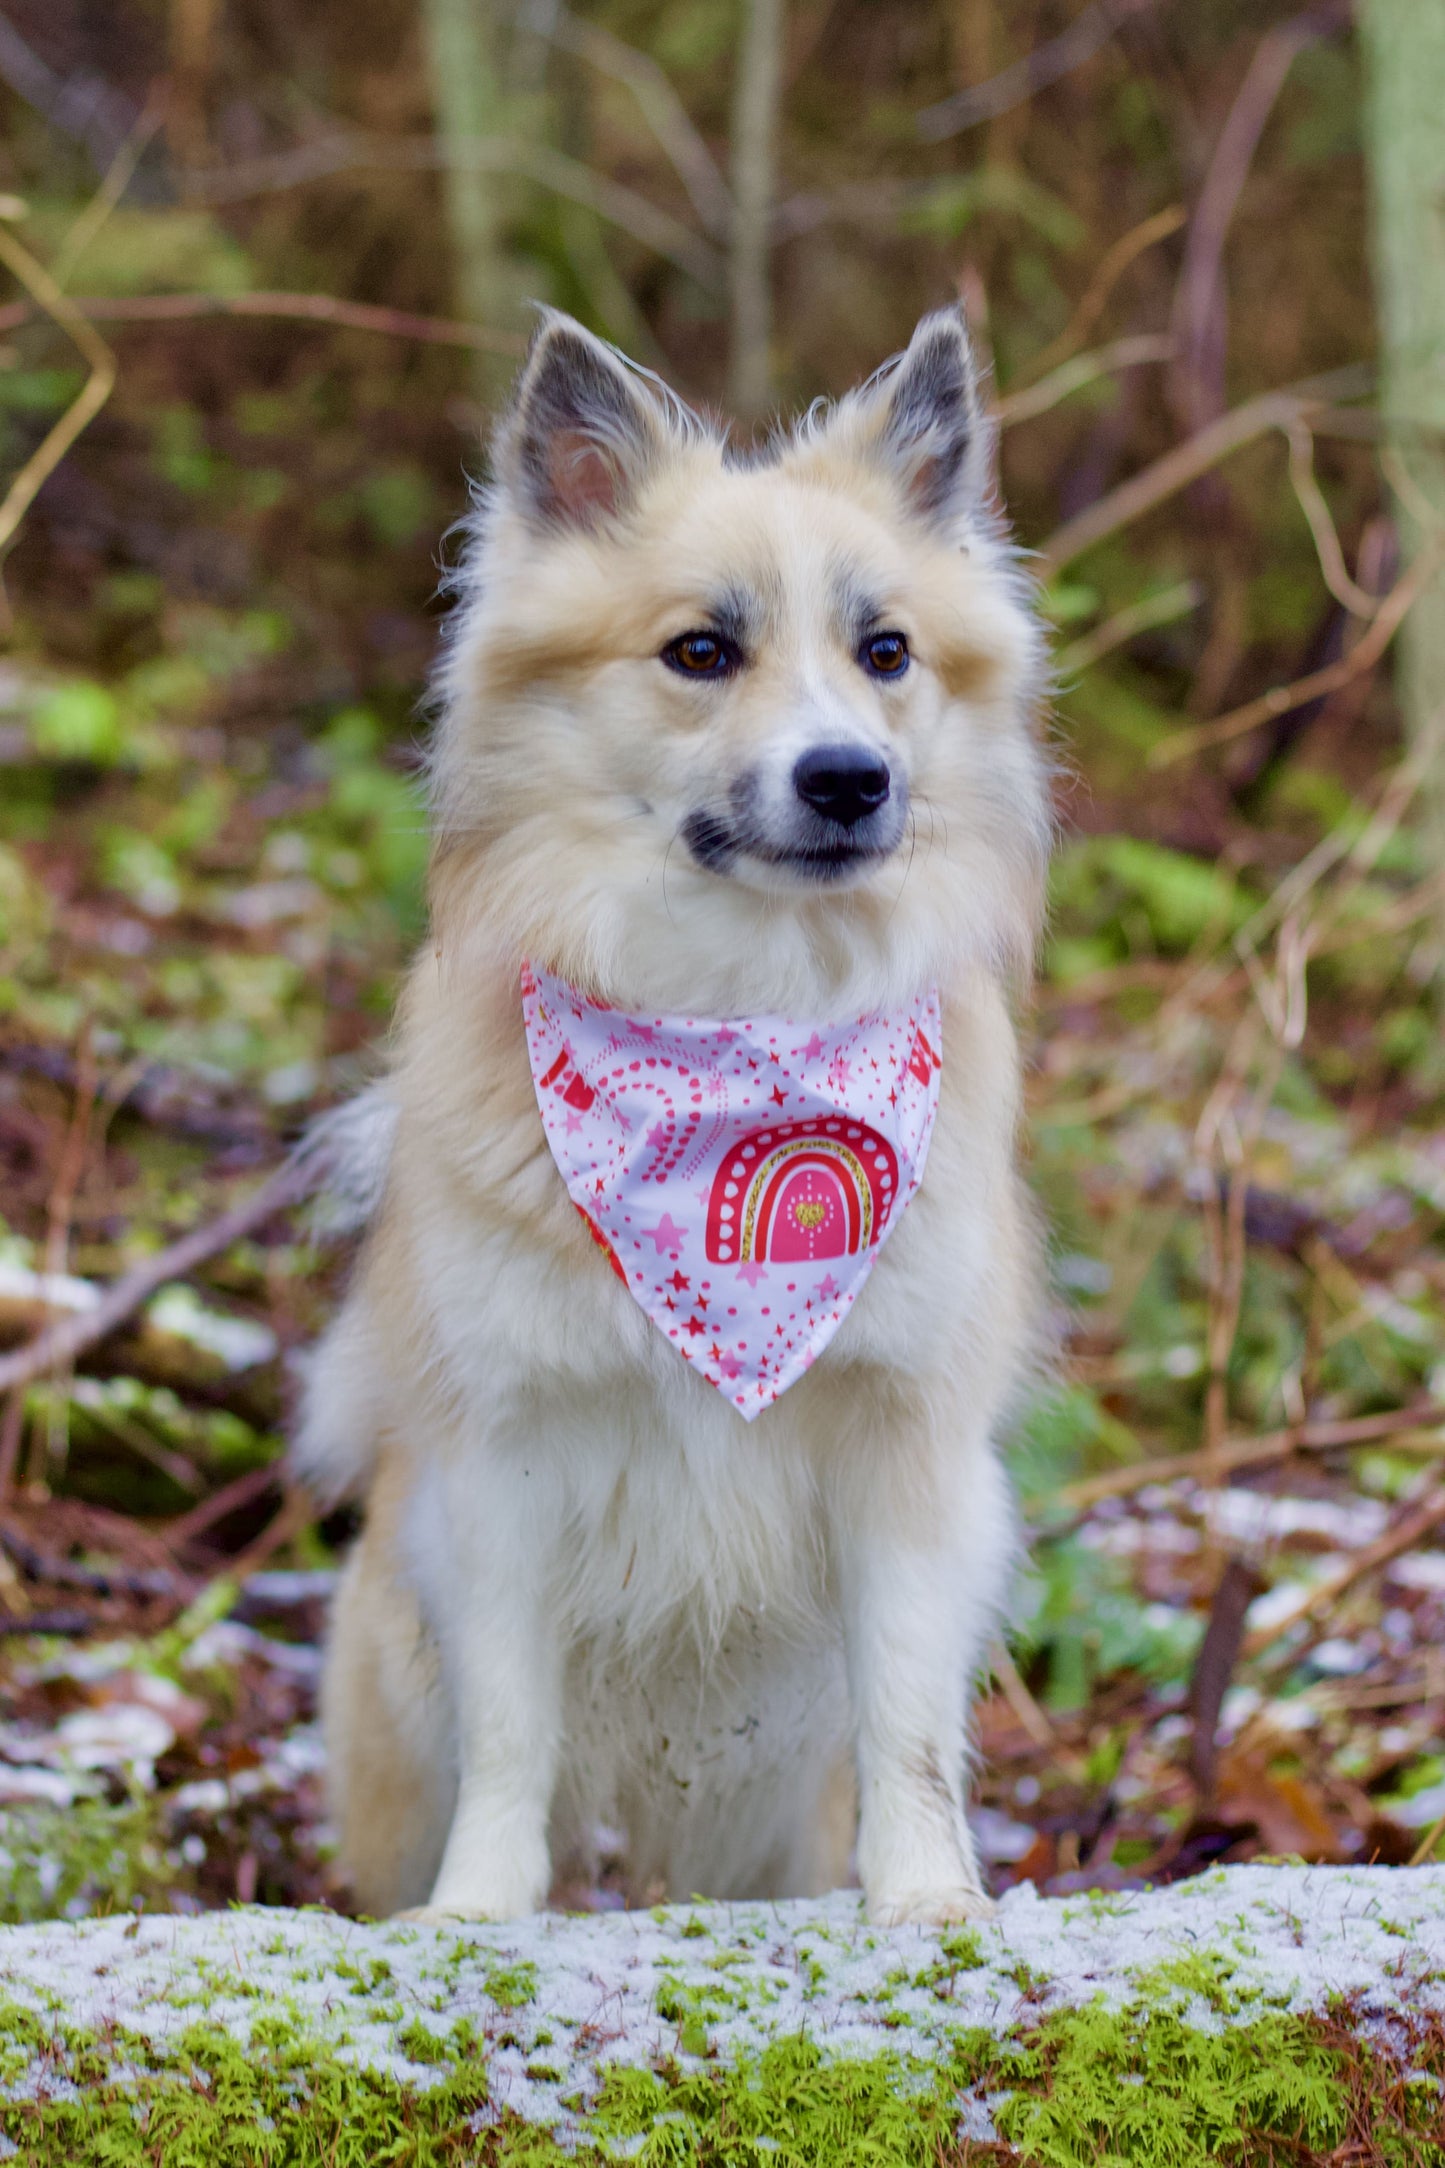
[801, 1191]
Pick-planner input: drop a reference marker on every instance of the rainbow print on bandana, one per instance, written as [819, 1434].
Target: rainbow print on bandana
[741, 1176]
[802, 1191]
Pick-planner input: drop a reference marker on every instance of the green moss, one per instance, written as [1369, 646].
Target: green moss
[1140, 2086]
[90, 1857]
[511, 1987]
[1100, 2086]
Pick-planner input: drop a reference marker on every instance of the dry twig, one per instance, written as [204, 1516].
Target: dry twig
[1200, 320]
[302, 308]
[1185, 463]
[1047, 63]
[1085, 369]
[1146, 615]
[1320, 1437]
[82, 410]
[345, 152]
[1326, 1594]
[1389, 615]
[1111, 268]
[62, 1343]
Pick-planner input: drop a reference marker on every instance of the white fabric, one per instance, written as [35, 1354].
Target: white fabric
[740, 1176]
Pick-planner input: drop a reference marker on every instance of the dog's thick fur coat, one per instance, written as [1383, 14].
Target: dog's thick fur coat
[587, 1591]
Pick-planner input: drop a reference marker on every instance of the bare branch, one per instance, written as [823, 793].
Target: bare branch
[1200, 312]
[83, 107]
[1112, 265]
[1083, 370]
[1325, 1595]
[1322, 1437]
[1146, 615]
[1047, 63]
[1185, 462]
[47, 456]
[1345, 590]
[662, 109]
[657, 230]
[114, 183]
[1282, 699]
[302, 308]
[58, 1348]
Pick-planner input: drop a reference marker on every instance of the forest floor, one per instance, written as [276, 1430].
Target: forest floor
[1230, 1639]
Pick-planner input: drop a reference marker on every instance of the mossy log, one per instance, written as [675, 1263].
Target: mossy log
[1264, 2013]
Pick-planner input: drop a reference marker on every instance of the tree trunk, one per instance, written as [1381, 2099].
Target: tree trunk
[464, 45]
[1404, 45]
[754, 175]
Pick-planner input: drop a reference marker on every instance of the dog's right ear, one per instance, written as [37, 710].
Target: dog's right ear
[582, 430]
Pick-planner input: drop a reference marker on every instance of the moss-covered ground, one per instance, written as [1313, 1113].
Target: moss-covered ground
[1256, 2016]
[1145, 2084]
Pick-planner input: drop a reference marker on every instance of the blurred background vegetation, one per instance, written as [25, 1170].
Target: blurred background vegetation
[269, 270]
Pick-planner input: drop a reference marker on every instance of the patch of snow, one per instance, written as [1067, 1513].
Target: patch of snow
[240, 1342]
[1299, 1936]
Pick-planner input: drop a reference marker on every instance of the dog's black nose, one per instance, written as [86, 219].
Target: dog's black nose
[845, 783]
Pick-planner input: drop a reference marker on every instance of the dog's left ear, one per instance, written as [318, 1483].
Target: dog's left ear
[582, 431]
[922, 418]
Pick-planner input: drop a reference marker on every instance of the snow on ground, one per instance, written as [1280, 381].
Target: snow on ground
[557, 1997]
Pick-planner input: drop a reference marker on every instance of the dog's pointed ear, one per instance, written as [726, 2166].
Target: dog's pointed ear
[922, 418]
[582, 429]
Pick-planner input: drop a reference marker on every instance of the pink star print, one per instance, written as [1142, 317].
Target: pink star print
[574, 1123]
[656, 1136]
[812, 1050]
[828, 1288]
[666, 1234]
[752, 1272]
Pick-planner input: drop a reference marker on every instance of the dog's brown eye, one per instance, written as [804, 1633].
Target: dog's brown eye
[886, 654]
[701, 654]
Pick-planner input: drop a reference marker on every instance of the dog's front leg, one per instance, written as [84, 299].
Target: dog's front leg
[920, 1591]
[486, 1566]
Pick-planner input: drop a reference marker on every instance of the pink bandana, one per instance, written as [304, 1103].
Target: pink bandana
[741, 1177]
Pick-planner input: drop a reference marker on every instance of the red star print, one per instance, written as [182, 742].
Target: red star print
[695, 1326]
[680, 1281]
[778, 1096]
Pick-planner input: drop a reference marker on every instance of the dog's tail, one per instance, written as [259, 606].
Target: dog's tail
[349, 1152]
[336, 1443]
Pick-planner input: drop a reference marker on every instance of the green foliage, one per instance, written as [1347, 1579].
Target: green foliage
[79, 721]
[511, 1987]
[791, 2108]
[947, 208]
[71, 1862]
[1083, 1622]
[1150, 900]
[1145, 2085]
[1138, 2088]
[145, 250]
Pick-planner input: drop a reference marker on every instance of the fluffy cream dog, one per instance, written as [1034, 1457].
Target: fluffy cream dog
[587, 1590]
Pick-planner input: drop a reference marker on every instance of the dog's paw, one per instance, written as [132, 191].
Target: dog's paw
[958, 1906]
[449, 1915]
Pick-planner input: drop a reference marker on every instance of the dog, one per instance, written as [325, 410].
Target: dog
[724, 738]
